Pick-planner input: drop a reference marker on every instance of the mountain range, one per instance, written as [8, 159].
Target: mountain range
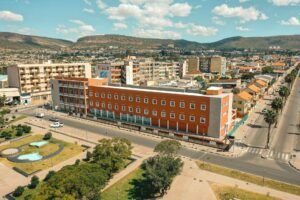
[25, 42]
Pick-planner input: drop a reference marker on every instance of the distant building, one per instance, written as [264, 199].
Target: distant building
[204, 64]
[3, 81]
[243, 102]
[193, 64]
[218, 65]
[33, 80]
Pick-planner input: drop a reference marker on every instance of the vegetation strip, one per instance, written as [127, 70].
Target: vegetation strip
[284, 187]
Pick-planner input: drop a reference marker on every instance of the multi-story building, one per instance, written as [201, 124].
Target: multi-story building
[243, 102]
[188, 115]
[204, 64]
[218, 65]
[112, 71]
[193, 64]
[33, 80]
[71, 94]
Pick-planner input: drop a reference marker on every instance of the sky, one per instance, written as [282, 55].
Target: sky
[195, 20]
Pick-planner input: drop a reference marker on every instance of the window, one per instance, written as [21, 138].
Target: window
[109, 106]
[181, 104]
[154, 101]
[163, 114]
[123, 98]
[96, 94]
[240, 102]
[137, 110]
[116, 97]
[181, 117]
[123, 108]
[103, 95]
[146, 112]
[91, 103]
[130, 98]
[109, 96]
[163, 102]
[203, 107]
[138, 99]
[91, 94]
[97, 104]
[172, 103]
[103, 105]
[130, 109]
[154, 112]
[192, 118]
[192, 105]
[146, 100]
[202, 120]
[116, 107]
[172, 115]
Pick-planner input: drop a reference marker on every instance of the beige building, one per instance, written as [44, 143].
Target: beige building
[243, 103]
[193, 64]
[33, 80]
[218, 65]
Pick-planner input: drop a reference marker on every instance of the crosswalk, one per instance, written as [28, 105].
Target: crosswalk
[269, 154]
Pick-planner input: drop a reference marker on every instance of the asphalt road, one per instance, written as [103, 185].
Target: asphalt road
[285, 138]
[248, 163]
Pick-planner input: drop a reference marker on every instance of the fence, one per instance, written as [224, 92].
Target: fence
[237, 125]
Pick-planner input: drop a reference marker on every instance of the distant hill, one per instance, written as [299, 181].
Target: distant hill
[132, 42]
[18, 41]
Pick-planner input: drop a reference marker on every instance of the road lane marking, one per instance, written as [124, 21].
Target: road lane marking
[286, 156]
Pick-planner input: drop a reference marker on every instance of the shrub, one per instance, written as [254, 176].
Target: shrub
[26, 128]
[77, 162]
[47, 136]
[19, 132]
[88, 156]
[14, 117]
[49, 175]
[34, 182]
[18, 191]
[8, 136]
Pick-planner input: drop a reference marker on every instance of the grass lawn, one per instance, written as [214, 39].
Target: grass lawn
[223, 192]
[277, 185]
[121, 189]
[69, 151]
[17, 119]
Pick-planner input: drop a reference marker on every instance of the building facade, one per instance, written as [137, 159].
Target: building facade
[218, 65]
[33, 80]
[187, 113]
[193, 64]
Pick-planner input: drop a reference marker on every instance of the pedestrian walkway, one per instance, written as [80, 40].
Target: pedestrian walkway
[269, 154]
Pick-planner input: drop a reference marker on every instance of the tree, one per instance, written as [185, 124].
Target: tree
[19, 132]
[289, 79]
[112, 154]
[267, 70]
[158, 175]
[34, 182]
[277, 105]
[248, 76]
[49, 175]
[168, 147]
[89, 156]
[198, 79]
[236, 90]
[26, 128]
[284, 92]
[270, 118]
[18, 191]
[47, 136]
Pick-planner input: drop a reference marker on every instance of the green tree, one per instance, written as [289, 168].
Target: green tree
[159, 172]
[289, 79]
[198, 79]
[277, 105]
[26, 128]
[112, 154]
[19, 132]
[18, 191]
[49, 175]
[284, 92]
[168, 147]
[270, 118]
[34, 182]
[47, 136]
[248, 76]
[267, 70]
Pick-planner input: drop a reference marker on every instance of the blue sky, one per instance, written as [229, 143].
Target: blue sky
[197, 20]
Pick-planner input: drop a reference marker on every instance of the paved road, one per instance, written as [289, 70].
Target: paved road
[248, 163]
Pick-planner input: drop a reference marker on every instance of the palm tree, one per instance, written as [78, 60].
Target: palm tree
[270, 118]
[284, 92]
[277, 105]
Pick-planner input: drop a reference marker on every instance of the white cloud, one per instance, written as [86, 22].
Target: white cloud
[88, 10]
[293, 21]
[156, 33]
[119, 26]
[124, 11]
[87, 2]
[285, 2]
[241, 28]
[199, 30]
[6, 15]
[101, 4]
[244, 14]
[218, 21]
[198, 6]
[83, 29]
[180, 9]
[180, 25]
[243, 1]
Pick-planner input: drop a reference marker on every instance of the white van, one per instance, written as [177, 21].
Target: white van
[39, 115]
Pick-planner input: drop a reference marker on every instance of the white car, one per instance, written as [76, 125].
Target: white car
[56, 125]
[39, 115]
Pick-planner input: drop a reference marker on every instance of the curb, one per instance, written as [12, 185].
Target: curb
[293, 166]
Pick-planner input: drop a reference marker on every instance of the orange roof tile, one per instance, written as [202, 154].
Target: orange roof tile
[261, 82]
[254, 88]
[245, 95]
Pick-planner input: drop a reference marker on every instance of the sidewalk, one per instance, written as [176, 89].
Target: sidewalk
[295, 161]
[193, 183]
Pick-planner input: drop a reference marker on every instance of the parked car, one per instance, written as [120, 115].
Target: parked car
[39, 115]
[56, 125]
[53, 119]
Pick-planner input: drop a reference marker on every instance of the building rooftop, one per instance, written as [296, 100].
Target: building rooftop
[245, 95]
[50, 64]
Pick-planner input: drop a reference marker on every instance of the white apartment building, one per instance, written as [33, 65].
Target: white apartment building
[33, 80]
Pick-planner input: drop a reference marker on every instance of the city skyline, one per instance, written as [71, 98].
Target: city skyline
[201, 21]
